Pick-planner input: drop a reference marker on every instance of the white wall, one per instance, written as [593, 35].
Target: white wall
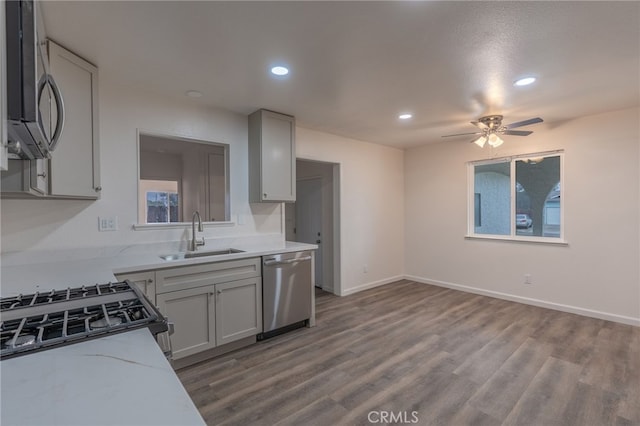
[56, 224]
[371, 206]
[596, 274]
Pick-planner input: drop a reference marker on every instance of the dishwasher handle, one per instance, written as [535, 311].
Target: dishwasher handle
[271, 262]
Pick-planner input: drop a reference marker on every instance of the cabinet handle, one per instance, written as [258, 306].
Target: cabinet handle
[98, 188]
[219, 292]
[43, 175]
[264, 195]
[150, 280]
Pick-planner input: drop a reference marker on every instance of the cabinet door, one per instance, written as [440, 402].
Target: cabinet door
[25, 178]
[145, 281]
[193, 314]
[272, 157]
[278, 157]
[238, 310]
[75, 162]
[39, 176]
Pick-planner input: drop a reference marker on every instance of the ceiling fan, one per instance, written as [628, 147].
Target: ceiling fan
[491, 126]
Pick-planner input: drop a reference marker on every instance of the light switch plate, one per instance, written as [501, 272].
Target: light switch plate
[107, 223]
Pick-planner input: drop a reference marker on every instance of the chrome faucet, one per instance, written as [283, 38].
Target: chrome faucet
[193, 246]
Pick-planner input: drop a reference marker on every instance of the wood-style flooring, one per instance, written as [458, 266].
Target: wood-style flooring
[425, 353]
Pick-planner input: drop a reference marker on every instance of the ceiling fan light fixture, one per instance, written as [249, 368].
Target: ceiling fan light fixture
[494, 140]
[480, 141]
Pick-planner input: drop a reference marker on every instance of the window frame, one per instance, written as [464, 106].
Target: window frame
[471, 195]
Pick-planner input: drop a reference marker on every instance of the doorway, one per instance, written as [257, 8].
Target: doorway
[315, 218]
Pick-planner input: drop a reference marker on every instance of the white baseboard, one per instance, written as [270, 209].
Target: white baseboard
[348, 291]
[527, 301]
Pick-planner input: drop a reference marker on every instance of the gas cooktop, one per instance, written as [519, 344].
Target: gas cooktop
[31, 322]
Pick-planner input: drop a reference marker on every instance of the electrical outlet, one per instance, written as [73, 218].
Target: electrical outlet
[527, 279]
[107, 223]
[365, 268]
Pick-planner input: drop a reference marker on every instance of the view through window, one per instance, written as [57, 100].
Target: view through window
[162, 203]
[517, 197]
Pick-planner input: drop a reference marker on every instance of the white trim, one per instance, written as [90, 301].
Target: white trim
[518, 239]
[529, 301]
[178, 225]
[367, 286]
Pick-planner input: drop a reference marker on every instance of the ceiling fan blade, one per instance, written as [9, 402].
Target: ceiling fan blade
[524, 123]
[462, 134]
[480, 124]
[517, 132]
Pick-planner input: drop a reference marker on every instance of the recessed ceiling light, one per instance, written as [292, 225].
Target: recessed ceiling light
[405, 116]
[280, 70]
[193, 94]
[524, 81]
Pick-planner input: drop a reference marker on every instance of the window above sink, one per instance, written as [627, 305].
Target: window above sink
[179, 175]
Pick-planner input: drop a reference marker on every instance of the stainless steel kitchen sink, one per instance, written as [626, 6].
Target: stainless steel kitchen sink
[175, 256]
[191, 254]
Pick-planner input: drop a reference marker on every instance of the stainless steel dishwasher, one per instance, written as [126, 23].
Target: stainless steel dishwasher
[286, 292]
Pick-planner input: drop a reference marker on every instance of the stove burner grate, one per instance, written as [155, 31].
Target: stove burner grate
[42, 320]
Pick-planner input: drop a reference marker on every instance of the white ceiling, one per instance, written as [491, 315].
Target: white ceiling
[356, 65]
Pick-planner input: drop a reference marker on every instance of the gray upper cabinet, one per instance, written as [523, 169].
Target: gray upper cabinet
[26, 178]
[75, 164]
[272, 157]
[74, 168]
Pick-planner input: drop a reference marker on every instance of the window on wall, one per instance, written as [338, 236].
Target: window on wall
[517, 198]
[161, 201]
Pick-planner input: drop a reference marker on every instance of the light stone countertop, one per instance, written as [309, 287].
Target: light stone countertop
[47, 271]
[121, 379]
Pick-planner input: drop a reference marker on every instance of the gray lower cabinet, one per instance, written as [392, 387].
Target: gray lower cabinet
[145, 281]
[209, 304]
[192, 312]
[238, 310]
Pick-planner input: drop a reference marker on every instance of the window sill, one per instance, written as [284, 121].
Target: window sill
[178, 225]
[508, 238]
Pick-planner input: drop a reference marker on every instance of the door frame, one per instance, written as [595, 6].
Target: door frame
[336, 216]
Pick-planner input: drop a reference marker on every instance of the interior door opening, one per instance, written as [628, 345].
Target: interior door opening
[314, 218]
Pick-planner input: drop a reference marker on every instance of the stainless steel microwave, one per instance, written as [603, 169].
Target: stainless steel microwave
[35, 110]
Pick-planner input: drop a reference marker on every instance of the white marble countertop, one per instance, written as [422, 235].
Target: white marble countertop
[122, 379]
[46, 271]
